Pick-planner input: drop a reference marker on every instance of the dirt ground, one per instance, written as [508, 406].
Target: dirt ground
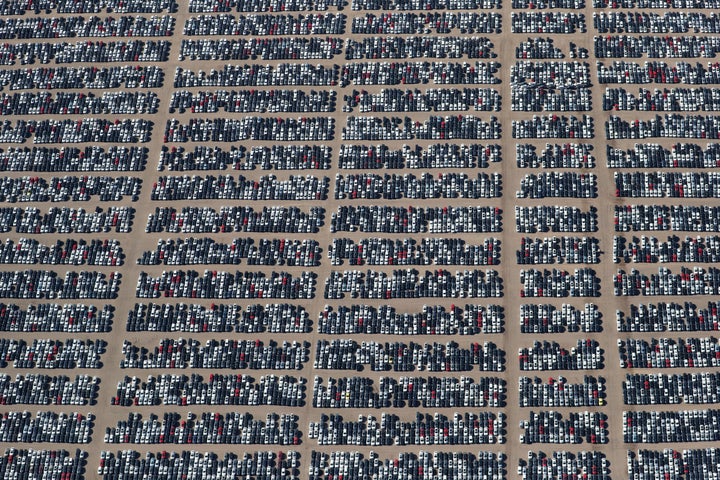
[137, 241]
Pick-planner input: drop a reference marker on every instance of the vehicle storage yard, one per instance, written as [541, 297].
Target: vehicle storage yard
[359, 239]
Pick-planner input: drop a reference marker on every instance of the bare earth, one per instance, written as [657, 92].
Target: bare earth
[137, 242]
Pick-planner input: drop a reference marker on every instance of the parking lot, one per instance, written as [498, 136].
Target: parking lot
[305, 239]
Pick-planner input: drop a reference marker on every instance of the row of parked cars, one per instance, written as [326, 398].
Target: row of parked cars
[655, 46]
[425, 186]
[36, 284]
[274, 318]
[667, 184]
[40, 389]
[682, 4]
[561, 393]
[71, 252]
[421, 465]
[27, 53]
[226, 285]
[210, 428]
[68, 188]
[582, 282]
[408, 465]
[548, 4]
[428, 392]
[695, 281]
[661, 389]
[62, 27]
[64, 103]
[676, 426]
[345, 354]
[52, 354]
[18, 7]
[55, 317]
[549, 426]
[556, 219]
[426, 46]
[458, 127]
[669, 316]
[438, 429]
[680, 218]
[30, 251]
[72, 159]
[541, 99]
[358, 5]
[211, 6]
[234, 219]
[667, 100]
[410, 283]
[49, 427]
[430, 100]
[76, 131]
[653, 155]
[538, 48]
[255, 74]
[550, 75]
[391, 219]
[22, 463]
[669, 353]
[85, 77]
[230, 187]
[277, 157]
[430, 250]
[546, 355]
[416, 72]
[301, 129]
[266, 24]
[554, 126]
[473, 319]
[566, 155]
[193, 465]
[31, 220]
[547, 22]
[646, 464]
[565, 249]
[229, 389]
[255, 318]
[653, 71]
[205, 250]
[285, 48]
[563, 464]
[669, 126]
[225, 353]
[650, 249]
[245, 101]
[560, 184]
[548, 318]
[435, 155]
[418, 23]
[644, 22]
